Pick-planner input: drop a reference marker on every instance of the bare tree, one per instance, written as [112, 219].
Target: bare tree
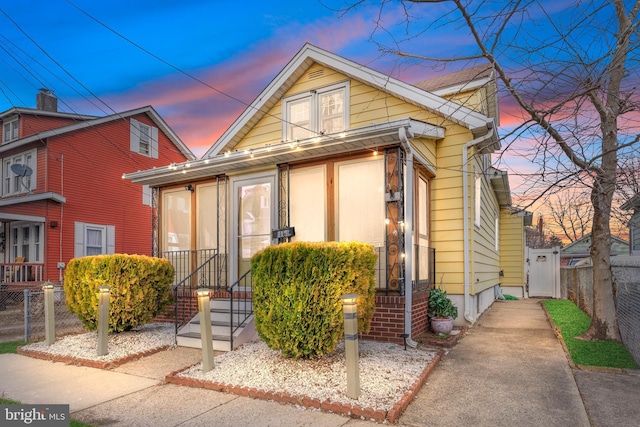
[571, 211]
[573, 75]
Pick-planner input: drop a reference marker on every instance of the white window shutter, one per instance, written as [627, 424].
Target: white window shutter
[111, 239]
[146, 195]
[135, 136]
[153, 148]
[78, 239]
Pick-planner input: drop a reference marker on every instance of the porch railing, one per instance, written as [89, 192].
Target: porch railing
[205, 274]
[21, 272]
[240, 296]
[185, 262]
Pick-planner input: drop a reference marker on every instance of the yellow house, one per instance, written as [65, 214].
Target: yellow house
[334, 151]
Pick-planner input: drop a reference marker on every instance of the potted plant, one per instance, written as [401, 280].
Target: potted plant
[442, 312]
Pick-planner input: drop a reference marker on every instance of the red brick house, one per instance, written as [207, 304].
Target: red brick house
[62, 194]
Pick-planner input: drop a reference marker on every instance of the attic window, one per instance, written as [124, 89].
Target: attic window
[10, 130]
[320, 111]
[144, 139]
[316, 74]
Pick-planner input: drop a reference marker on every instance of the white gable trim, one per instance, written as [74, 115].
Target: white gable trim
[476, 122]
[155, 117]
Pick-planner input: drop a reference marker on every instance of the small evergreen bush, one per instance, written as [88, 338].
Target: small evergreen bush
[297, 290]
[140, 288]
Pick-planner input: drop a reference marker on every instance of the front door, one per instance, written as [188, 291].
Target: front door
[253, 219]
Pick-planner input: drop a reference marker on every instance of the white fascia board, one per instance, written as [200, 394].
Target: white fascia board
[476, 122]
[256, 106]
[98, 121]
[425, 130]
[175, 171]
[462, 87]
[6, 217]
[33, 198]
[448, 109]
[34, 111]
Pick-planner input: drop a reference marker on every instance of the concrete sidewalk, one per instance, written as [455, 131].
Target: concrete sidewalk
[509, 370]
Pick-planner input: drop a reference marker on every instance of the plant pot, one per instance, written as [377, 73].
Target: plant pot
[442, 325]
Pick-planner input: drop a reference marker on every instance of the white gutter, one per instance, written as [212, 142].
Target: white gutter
[465, 217]
[408, 236]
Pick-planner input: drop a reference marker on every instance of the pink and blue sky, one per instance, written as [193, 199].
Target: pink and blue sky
[101, 57]
[199, 63]
[236, 48]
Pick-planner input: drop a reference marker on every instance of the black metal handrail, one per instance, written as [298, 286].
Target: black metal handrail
[242, 292]
[200, 277]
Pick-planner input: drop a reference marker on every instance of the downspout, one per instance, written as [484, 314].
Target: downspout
[408, 246]
[465, 218]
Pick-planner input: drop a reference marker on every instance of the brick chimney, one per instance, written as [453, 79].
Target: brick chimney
[46, 100]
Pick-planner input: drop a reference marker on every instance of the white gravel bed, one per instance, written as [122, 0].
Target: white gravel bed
[387, 372]
[85, 346]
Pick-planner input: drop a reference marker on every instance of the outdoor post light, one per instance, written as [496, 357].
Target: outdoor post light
[103, 320]
[205, 329]
[49, 315]
[349, 308]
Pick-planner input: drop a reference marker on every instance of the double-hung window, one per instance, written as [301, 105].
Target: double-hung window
[20, 179]
[317, 112]
[10, 130]
[144, 139]
[93, 239]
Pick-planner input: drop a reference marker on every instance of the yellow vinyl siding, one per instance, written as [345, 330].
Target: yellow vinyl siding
[367, 105]
[426, 148]
[475, 100]
[511, 249]
[447, 210]
[486, 260]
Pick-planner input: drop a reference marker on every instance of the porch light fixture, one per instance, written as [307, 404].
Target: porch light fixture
[350, 309]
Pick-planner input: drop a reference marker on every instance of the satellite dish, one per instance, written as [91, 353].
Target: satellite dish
[22, 170]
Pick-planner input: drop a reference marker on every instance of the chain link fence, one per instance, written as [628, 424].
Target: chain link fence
[577, 285]
[22, 315]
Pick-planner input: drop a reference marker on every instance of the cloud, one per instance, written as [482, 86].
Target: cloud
[202, 105]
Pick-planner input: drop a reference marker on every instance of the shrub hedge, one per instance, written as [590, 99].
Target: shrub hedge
[140, 288]
[297, 289]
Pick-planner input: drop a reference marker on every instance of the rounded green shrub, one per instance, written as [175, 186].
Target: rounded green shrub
[140, 288]
[297, 289]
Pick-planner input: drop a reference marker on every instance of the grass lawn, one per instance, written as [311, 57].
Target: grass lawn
[11, 347]
[571, 321]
